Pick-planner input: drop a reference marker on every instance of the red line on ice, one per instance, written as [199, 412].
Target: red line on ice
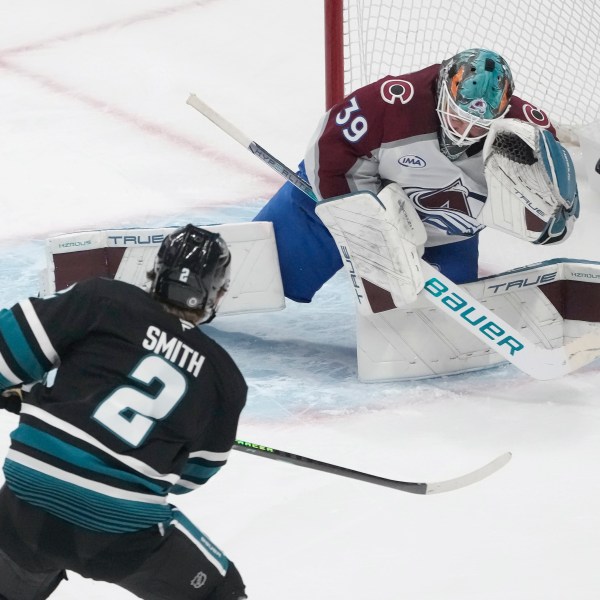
[118, 24]
[117, 113]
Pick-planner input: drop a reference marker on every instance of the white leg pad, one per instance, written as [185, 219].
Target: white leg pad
[551, 303]
[128, 254]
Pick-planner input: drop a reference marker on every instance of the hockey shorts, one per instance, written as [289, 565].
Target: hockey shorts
[37, 548]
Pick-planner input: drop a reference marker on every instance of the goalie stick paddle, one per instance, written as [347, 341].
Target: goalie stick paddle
[403, 486]
[539, 363]
[457, 303]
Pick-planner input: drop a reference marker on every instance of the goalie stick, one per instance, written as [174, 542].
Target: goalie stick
[249, 144]
[457, 303]
[539, 363]
[404, 486]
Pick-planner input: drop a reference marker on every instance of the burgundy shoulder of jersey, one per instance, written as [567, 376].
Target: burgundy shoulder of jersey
[408, 104]
[526, 111]
[403, 106]
[392, 108]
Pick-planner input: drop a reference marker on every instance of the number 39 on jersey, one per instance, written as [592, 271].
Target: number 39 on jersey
[354, 126]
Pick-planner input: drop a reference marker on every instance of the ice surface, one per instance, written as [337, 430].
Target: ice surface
[95, 132]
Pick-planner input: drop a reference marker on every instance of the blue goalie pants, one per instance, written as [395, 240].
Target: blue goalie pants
[177, 561]
[309, 257]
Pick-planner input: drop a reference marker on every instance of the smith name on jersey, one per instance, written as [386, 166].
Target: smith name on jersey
[142, 404]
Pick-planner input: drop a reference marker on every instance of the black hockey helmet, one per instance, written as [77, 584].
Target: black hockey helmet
[192, 270]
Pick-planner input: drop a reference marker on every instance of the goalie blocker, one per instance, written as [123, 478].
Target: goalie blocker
[381, 239]
[532, 189]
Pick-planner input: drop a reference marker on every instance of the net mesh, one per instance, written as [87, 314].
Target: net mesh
[549, 44]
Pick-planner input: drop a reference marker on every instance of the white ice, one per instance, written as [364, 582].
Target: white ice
[95, 133]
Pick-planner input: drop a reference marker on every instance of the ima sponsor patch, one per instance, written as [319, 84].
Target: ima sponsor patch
[412, 160]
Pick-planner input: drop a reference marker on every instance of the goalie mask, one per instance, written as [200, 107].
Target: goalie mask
[474, 89]
[192, 270]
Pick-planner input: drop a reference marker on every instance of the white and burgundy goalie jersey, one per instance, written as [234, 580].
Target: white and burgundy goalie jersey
[143, 404]
[388, 131]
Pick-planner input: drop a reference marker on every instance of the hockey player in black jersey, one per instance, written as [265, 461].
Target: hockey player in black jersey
[142, 404]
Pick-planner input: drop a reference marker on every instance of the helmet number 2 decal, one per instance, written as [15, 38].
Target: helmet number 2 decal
[184, 275]
[356, 125]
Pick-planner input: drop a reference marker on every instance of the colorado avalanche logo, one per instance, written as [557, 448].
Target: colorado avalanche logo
[536, 116]
[478, 107]
[452, 209]
[397, 89]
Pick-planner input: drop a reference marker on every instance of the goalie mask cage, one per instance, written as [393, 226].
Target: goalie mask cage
[550, 46]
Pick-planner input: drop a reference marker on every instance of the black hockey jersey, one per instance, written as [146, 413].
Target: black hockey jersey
[142, 404]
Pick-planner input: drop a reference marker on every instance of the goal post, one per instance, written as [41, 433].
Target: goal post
[334, 51]
[549, 44]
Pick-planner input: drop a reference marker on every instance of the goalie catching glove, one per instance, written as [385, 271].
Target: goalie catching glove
[532, 190]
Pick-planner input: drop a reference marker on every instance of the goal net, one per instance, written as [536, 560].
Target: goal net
[549, 44]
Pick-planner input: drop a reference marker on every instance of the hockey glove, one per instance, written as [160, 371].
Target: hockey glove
[381, 240]
[11, 399]
[532, 190]
[561, 173]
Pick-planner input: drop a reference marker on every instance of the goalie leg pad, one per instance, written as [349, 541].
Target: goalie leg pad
[128, 255]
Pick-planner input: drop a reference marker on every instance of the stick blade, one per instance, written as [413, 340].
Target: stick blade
[469, 478]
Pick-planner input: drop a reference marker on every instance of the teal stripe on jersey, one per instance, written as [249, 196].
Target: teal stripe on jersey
[47, 443]
[198, 473]
[20, 348]
[5, 383]
[179, 489]
[80, 506]
[201, 539]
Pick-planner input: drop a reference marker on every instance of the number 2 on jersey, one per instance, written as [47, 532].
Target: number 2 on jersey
[357, 123]
[130, 413]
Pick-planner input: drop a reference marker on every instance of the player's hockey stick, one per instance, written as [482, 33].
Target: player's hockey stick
[539, 363]
[404, 486]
